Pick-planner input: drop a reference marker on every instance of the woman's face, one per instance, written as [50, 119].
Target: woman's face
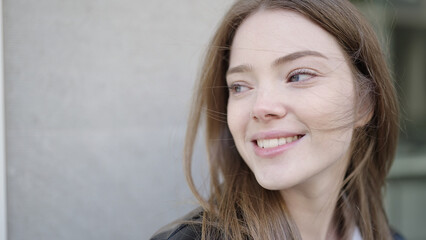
[291, 103]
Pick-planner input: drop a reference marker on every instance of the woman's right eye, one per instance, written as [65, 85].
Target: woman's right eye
[238, 88]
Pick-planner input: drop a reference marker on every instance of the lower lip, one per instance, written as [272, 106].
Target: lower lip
[275, 151]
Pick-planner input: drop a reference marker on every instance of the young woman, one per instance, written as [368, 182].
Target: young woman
[302, 125]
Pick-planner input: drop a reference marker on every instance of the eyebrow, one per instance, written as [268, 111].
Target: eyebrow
[297, 55]
[239, 69]
[277, 62]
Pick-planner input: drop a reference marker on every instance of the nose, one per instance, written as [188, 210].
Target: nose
[268, 105]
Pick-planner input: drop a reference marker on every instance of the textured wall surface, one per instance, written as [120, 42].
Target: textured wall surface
[97, 94]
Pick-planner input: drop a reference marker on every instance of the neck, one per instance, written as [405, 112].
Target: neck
[312, 208]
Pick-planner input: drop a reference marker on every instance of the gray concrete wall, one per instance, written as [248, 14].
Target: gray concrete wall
[97, 94]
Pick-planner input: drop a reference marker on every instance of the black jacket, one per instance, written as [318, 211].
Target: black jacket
[183, 230]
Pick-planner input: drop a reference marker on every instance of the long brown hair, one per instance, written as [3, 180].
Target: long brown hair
[238, 207]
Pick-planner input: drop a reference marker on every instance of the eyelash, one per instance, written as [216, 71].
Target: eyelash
[296, 72]
[232, 88]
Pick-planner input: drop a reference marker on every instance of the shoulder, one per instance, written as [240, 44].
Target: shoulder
[187, 228]
[182, 232]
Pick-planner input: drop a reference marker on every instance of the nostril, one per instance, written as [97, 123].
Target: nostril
[268, 112]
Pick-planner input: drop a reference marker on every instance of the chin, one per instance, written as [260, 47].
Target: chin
[274, 184]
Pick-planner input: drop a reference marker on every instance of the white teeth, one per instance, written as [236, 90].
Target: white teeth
[275, 142]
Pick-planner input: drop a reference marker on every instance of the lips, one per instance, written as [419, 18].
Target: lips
[275, 142]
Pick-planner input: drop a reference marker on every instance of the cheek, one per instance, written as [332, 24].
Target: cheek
[332, 122]
[331, 108]
[237, 118]
[232, 117]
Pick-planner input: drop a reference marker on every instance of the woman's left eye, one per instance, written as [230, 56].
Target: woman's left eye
[301, 75]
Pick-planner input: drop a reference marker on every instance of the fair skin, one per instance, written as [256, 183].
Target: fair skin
[291, 113]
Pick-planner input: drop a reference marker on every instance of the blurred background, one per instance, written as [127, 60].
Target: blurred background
[96, 99]
[401, 26]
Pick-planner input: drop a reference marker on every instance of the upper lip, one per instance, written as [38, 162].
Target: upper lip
[273, 134]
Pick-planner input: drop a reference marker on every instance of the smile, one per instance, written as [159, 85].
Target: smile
[275, 142]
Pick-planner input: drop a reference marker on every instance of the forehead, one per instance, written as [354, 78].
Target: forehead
[280, 32]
